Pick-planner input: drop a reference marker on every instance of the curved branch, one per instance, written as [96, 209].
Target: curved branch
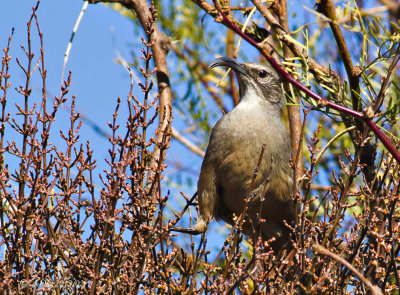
[332, 140]
[323, 251]
[160, 50]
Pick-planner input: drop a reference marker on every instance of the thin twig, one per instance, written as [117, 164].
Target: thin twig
[191, 146]
[331, 141]
[66, 55]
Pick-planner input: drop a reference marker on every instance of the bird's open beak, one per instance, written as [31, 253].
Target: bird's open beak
[230, 63]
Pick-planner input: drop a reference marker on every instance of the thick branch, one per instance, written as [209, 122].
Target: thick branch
[293, 110]
[125, 3]
[230, 43]
[327, 8]
[160, 50]
[368, 151]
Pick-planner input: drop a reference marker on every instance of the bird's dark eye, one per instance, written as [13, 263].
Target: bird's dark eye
[262, 74]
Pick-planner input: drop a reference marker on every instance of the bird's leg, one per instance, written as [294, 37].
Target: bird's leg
[185, 230]
[198, 228]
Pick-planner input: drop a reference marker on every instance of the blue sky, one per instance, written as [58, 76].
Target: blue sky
[97, 80]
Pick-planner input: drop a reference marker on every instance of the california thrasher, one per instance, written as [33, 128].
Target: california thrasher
[234, 152]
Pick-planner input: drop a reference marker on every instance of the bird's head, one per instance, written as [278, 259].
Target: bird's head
[256, 80]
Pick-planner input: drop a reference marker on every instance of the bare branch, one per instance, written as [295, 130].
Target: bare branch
[194, 148]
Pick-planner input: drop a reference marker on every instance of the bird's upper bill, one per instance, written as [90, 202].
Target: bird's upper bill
[230, 63]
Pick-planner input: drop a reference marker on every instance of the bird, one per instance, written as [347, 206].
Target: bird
[248, 160]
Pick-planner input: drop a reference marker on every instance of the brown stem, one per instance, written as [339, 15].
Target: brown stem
[160, 49]
[327, 8]
[230, 51]
[295, 125]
